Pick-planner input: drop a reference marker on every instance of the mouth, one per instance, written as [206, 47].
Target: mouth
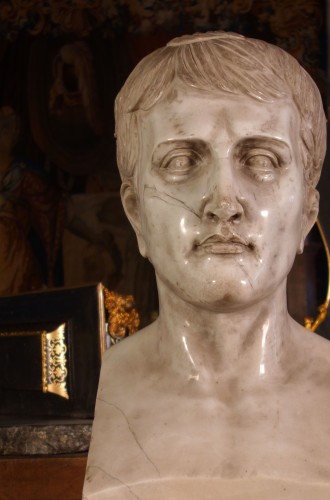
[220, 245]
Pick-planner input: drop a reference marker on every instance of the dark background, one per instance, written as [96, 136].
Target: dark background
[77, 154]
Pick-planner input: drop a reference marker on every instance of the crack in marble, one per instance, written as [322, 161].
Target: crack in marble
[115, 478]
[245, 273]
[132, 432]
[161, 195]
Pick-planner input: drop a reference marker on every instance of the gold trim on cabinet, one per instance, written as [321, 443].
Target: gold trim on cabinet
[53, 358]
[309, 322]
[54, 362]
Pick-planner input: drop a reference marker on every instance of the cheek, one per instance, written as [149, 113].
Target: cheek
[188, 195]
[158, 226]
[169, 229]
[284, 235]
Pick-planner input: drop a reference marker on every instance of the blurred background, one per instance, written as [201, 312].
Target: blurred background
[62, 227]
[61, 65]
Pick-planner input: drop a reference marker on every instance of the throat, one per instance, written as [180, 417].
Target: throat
[211, 347]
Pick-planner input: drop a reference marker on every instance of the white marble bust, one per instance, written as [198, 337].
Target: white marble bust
[220, 145]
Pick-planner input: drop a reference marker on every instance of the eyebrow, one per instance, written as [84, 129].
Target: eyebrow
[266, 141]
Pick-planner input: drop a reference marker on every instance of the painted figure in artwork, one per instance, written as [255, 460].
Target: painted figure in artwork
[221, 141]
[27, 203]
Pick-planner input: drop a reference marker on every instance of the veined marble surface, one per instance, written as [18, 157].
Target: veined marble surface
[211, 489]
[45, 438]
[164, 433]
[220, 144]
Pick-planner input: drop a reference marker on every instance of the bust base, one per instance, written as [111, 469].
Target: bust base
[258, 488]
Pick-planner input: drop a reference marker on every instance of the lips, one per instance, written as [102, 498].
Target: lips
[219, 244]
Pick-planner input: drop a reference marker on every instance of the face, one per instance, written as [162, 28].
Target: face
[220, 196]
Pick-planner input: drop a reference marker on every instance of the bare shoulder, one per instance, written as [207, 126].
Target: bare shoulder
[316, 345]
[130, 357]
[313, 356]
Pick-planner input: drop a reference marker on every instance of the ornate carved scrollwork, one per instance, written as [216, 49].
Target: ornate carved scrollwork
[54, 362]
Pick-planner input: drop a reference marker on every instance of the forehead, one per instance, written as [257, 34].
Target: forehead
[220, 118]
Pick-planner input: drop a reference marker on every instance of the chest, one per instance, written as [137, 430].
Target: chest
[283, 434]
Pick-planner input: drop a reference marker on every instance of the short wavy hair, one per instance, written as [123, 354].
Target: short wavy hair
[226, 62]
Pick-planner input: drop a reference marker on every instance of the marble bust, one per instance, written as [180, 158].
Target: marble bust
[220, 141]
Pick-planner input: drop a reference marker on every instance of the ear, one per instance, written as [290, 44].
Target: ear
[310, 215]
[131, 206]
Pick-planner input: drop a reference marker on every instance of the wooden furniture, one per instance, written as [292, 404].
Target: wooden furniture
[47, 478]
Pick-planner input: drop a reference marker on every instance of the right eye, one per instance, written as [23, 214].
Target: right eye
[180, 162]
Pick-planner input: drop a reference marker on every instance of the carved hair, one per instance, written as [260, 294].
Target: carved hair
[226, 62]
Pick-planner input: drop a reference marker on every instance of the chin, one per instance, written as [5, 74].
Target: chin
[221, 296]
[229, 301]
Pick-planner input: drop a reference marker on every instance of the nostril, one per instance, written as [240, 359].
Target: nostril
[212, 216]
[235, 217]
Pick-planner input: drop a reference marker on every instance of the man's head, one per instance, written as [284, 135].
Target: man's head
[219, 154]
[219, 62]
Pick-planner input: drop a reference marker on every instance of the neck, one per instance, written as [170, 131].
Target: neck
[208, 346]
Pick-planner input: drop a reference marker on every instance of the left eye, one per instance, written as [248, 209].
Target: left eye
[261, 166]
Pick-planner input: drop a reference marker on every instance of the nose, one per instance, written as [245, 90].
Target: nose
[223, 204]
[225, 211]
